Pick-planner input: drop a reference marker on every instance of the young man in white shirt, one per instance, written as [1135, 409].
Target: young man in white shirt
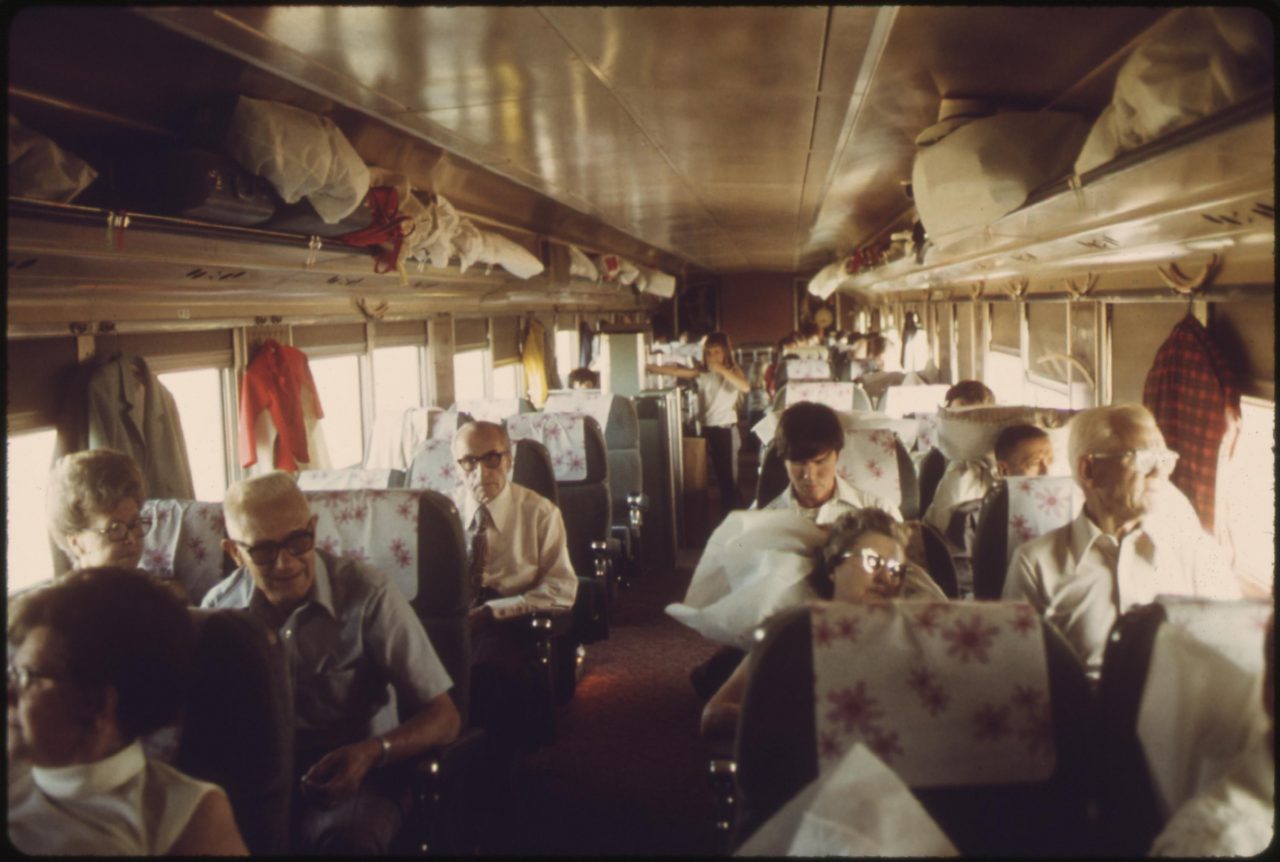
[1120, 551]
[809, 439]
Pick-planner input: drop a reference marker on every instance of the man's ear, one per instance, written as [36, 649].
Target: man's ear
[1084, 471]
[1002, 467]
[233, 551]
[73, 545]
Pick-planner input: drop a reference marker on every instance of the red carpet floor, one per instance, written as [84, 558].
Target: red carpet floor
[627, 775]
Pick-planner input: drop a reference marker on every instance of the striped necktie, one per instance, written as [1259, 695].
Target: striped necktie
[479, 550]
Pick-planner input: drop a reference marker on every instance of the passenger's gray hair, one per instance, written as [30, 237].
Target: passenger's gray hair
[1099, 430]
[847, 529]
[477, 425]
[84, 484]
[276, 489]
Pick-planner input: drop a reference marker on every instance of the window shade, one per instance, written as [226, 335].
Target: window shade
[1137, 331]
[400, 333]
[1004, 326]
[506, 340]
[1245, 332]
[1046, 322]
[470, 334]
[330, 339]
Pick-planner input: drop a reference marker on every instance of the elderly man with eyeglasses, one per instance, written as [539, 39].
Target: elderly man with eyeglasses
[1127, 546]
[348, 633]
[518, 550]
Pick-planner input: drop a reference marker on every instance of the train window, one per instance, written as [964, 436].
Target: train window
[397, 378]
[1002, 371]
[338, 383]
[508, 380]
[28, 548]
[198, 397]
[566, 353]
[468, 374]
[1248, 491]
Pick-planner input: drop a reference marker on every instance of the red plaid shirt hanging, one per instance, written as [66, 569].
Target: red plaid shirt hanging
[1192, 392]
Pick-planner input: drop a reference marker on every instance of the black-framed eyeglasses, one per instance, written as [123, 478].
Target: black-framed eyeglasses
[296, 543]
[873, 562]
[116, 531]
[20, 678]
[491, 459]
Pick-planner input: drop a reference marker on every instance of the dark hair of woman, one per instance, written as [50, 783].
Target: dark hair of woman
[119, 628]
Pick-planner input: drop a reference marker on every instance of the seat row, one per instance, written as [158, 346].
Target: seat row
[986, 714]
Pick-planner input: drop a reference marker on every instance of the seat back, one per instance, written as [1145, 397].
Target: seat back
[237, 725]
[813, 368]
[492, 409]
[185, 543]
[837, 395]
[1015, 511]
[586, 503]
[532, 469]
[1177, 695]
[932, 467]
[938, 558]
[900, 400]
[416, 539]
[1002, 779]
[350, 477]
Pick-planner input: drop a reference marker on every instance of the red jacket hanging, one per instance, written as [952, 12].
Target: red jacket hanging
[275, 381]
[1192, 392]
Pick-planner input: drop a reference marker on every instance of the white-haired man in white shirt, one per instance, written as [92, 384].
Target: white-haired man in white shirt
[1123, 549]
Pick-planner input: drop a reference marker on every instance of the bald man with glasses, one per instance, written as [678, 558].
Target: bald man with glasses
[1128, 545]
[518, 549]
[348, 633]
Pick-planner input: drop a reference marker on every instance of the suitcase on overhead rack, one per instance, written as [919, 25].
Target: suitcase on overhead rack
[301, 217]
[191, 183]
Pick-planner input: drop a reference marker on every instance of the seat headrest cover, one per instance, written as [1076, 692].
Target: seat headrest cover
[869, 462]
[835, 394]
[563, 434]
[1038, 505]
[185, 542]
[376, 527]
[945, 693]
[1201, 703]
[434, 467]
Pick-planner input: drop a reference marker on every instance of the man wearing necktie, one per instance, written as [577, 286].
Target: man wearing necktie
[517, 546]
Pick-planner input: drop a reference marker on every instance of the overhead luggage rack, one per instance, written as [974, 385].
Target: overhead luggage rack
[1200, 190]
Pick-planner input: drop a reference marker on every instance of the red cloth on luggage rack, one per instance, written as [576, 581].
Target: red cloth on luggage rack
[388, 227]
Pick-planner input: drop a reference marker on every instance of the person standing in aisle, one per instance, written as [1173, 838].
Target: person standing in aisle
[720, 382]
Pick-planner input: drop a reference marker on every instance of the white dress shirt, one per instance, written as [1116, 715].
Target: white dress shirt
[963, 482]
[846, 499]
[528, 552]
[1082, 578]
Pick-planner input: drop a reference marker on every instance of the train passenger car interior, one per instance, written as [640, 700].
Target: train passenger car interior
[817, 430]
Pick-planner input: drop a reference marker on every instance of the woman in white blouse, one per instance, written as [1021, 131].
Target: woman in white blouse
[720, 383]
[98, 659]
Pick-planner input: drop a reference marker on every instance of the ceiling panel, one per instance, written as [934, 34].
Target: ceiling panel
[745, 49]
[428, 58]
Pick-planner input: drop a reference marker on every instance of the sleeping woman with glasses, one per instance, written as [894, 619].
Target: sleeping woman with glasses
[94, 506]
[862, 561]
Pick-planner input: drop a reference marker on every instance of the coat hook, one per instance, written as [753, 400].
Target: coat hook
[1017, 287]
[975, 290]
[1184, 285]
[1078, 291]
[375, 313]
